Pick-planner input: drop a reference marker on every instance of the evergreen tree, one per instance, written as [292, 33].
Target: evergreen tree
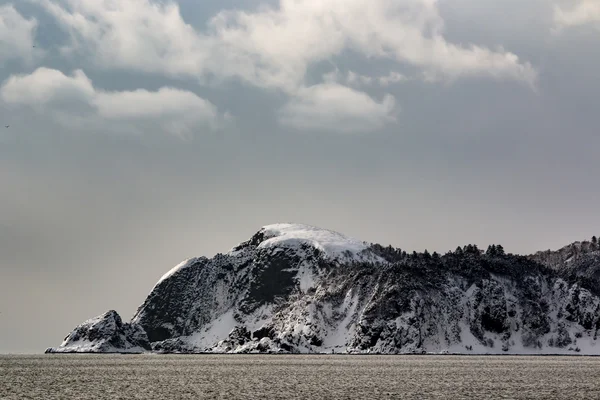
[499, 250]
[471, 249]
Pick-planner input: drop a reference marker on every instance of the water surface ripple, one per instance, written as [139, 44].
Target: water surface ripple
[298, 377]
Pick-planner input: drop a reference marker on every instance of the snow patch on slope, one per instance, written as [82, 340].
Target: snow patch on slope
[334, 245]
[336, 337]
[86, 346]
[213, 333]
[305, 278]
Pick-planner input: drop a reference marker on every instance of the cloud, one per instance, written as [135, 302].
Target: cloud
[164, 102]
[273, 47]
[16, 35]
[584, 12]
[358, 79]
[354, 79]
[74, 98]
[136, 34]
[392, 77]
[279, 43]
[333, 107]
[45, 86]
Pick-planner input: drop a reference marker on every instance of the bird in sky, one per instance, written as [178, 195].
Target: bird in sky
[7, 126]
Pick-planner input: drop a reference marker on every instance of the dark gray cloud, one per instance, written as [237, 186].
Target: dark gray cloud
[111, 175]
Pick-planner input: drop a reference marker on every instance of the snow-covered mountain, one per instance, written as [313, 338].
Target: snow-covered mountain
[297, 288]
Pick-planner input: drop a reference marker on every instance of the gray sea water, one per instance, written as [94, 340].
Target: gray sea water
[298, 377]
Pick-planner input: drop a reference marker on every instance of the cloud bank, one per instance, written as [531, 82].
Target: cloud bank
[273, 47]
[74, 98]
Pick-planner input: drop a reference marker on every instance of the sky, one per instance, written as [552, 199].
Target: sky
[145, 132]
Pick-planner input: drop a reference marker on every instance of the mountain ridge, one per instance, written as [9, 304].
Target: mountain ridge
[295, 288]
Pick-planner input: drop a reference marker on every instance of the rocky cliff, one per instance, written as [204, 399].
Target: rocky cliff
[105, 334]
[300, 289]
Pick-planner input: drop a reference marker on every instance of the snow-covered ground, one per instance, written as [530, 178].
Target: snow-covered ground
[333, 245]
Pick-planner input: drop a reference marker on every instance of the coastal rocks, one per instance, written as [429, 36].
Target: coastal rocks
[105, 334]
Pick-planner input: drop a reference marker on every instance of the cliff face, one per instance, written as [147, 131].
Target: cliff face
[294, 288]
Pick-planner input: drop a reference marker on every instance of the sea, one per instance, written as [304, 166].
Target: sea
[298, 377]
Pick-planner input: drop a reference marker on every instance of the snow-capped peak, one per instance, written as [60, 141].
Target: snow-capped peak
[332, 244]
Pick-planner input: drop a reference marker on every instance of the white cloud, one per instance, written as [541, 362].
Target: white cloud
[273, 47]
[391, 78]
[351, 78]
[142, 104]
[354, 79]
[282, 42]
[72, 98]
[358, 79]
[583, 12]
[134, 34]
[46, 86]
[333, 107]
[16, 35]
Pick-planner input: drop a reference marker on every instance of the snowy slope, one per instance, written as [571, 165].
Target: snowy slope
[105, 334]
[333, 245]
[297, 288]
[581, 259]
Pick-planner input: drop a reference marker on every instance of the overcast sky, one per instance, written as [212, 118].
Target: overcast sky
[145, 132]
